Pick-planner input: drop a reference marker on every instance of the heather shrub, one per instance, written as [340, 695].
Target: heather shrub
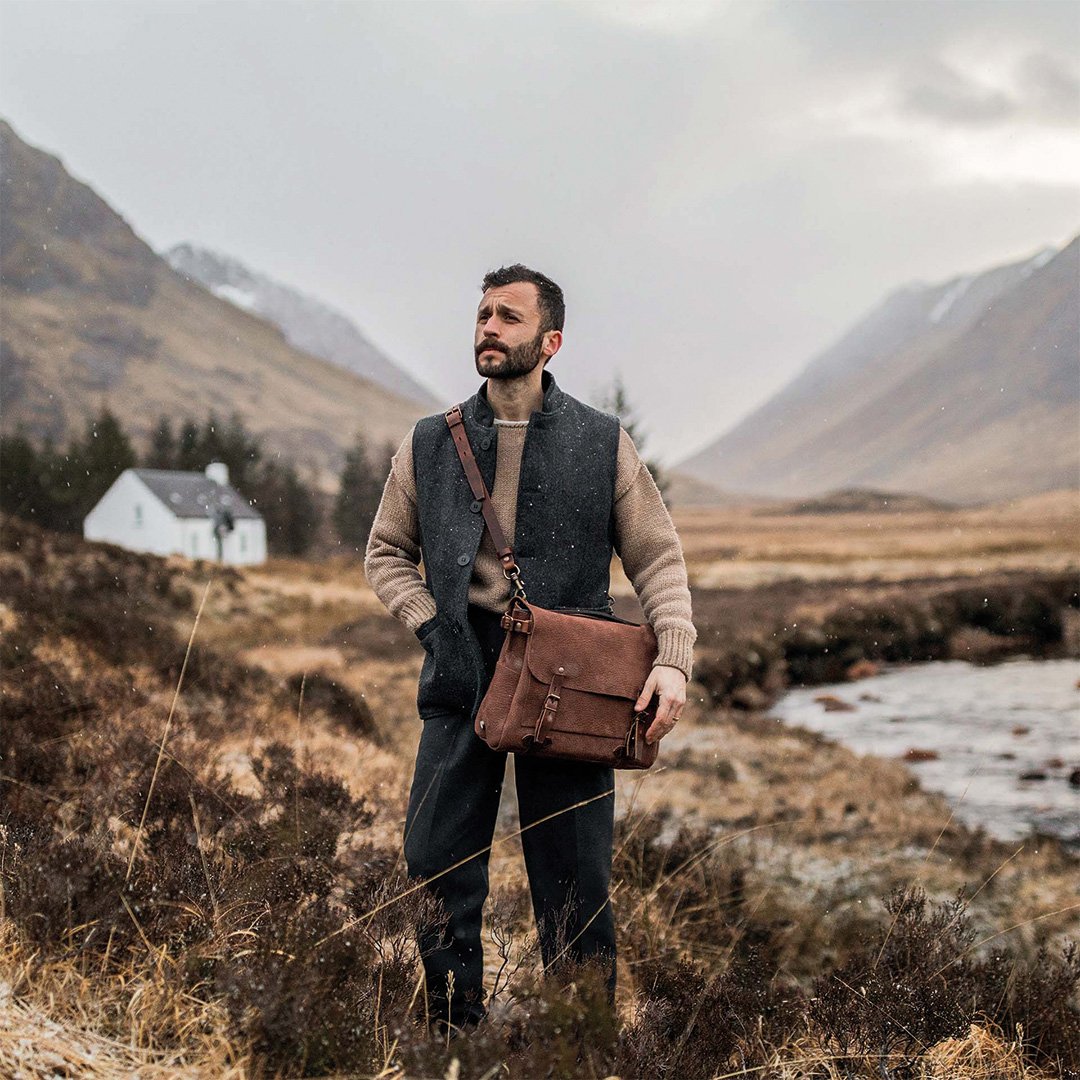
[1033, 613]
[335, 700]
[61, 890]
[893, 995]
[697, 1021]
[899, 631]
[917, 981]
[753, 665]
[278, 908]
[1037, 999]
[903, 630]
[310, 989]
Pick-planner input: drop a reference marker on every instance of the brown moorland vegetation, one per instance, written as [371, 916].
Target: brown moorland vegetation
[752, 545]
[203, 781]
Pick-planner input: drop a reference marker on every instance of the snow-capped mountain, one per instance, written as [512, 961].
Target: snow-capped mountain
[306, 322]
[965, 390]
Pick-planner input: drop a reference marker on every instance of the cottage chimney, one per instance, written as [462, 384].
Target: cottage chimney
[218, 471]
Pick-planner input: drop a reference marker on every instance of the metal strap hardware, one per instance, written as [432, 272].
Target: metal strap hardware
[629, 746]
[547, 714]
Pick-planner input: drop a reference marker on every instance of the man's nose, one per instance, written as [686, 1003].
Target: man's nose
[491, 328]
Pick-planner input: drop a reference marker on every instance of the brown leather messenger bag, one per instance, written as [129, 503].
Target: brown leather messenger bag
[566, 679]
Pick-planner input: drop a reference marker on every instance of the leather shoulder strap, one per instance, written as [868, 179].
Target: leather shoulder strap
[479, 488]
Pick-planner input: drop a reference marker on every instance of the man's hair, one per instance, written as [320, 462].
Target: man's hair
[550, 299]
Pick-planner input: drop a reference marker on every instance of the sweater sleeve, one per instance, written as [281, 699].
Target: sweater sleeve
[392, 557]
[651, 554]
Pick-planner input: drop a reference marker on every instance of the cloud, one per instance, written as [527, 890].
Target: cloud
[944, 94]
[1053, 88]
[1037, 88]
[864, 38]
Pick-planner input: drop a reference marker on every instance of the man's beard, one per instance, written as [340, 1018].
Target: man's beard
[518, 360]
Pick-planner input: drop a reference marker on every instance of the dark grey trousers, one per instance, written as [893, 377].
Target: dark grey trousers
[453, 805]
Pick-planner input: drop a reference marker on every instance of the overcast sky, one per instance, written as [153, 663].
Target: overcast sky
[720, 188]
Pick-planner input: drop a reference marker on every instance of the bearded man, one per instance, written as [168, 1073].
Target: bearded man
[569, 490]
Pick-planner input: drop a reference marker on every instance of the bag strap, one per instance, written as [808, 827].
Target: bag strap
[480, 492]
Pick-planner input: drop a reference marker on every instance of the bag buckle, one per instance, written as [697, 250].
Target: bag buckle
[519, 626]
[547, 714]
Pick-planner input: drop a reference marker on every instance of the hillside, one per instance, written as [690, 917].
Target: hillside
[92, 315]
[964, 391]
[306, 322]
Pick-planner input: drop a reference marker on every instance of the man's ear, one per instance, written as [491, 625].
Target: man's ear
[552, 343]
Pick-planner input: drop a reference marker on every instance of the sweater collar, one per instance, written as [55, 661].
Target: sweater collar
[551, 402]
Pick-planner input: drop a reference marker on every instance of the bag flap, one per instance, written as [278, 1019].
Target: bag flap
[597, 655]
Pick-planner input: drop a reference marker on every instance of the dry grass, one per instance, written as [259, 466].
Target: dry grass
[58, 1019]
[753, 867]
[984, 1053]
[746, 547]
[981, 1053]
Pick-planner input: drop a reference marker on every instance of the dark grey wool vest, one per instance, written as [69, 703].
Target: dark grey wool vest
[563, 532]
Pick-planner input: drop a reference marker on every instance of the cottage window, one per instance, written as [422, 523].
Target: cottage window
[138, 515]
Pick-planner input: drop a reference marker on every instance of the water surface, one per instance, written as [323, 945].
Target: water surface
[1007, 736]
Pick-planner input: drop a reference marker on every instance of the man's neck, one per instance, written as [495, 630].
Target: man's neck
[515, 399]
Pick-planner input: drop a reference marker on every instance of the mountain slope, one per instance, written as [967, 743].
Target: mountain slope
[91, 314]
[307, 323]
[965, 391]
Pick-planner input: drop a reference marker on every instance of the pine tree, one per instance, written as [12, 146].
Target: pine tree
[240, 450]
[359, 491]
[65, 474]
[107, 452]
[24, 487]
[88, 468]
[163, 448]
[189, 451]
[302, 518]
[211, 444]
[291, 516]
[58, 488]
[615, 401]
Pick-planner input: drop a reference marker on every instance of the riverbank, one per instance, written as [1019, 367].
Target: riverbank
[753, 644]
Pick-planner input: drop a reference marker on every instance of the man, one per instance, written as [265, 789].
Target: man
[568, 488]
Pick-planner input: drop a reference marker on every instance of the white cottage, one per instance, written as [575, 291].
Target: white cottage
[172, 511]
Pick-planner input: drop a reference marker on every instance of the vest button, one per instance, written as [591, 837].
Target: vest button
[463, 560]
[475, 506]
[485, 443]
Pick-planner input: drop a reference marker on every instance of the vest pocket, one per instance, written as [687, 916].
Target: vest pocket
[446, 680]
[425, 629]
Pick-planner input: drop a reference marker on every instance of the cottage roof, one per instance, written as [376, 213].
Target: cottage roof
[192, 494]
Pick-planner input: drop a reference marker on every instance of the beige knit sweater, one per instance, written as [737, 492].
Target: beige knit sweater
[645, 541]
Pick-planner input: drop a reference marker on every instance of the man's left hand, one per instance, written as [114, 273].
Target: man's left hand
[670, 684]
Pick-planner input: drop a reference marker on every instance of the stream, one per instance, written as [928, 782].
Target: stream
[1001, 742]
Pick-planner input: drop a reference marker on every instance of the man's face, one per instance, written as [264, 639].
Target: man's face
[508, 341]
